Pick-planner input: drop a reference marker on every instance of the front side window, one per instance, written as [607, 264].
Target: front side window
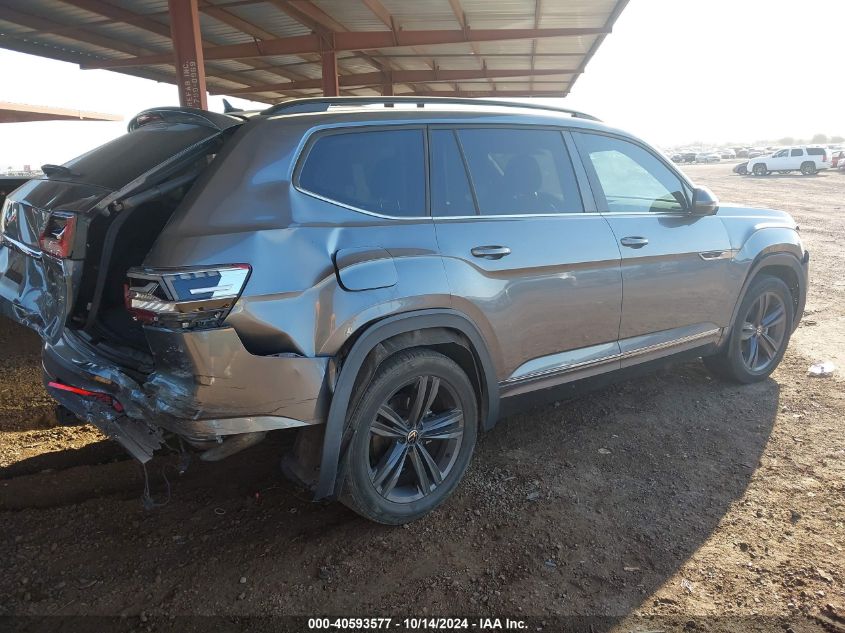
[382, 171]
[631, 178]
[781, 154]
[520, 171]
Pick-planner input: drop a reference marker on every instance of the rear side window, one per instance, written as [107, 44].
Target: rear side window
[520, 171]
[796, 152]
[631, 178]
[450, 190]
[815, 151]
[381, 171]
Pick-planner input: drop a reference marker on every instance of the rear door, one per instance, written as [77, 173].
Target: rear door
[51, 226]
[674, 264]
[524, 261]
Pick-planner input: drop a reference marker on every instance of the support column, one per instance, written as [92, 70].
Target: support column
[387, 89]
[330, 85]
[187, 51]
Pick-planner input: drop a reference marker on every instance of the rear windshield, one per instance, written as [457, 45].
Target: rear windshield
[122, 160]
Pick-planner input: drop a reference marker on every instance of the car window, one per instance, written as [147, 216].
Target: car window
[382, 171]
[630, 177]
[815, 151]
[520, 171]
[450, 190]
[796, 152]
[781, 153]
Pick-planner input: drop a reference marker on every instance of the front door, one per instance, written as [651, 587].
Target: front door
[674, 264]
[538, 275]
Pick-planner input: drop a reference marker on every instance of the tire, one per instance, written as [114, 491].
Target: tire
[808, 168]
[760, 170]
[397, 470]
[759, 335]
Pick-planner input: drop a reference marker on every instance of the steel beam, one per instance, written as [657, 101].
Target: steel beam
[357, 41]
[329, 81]
[188, 54]
[401, 77]
[484, 93]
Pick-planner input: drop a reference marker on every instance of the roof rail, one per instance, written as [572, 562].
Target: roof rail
[322, 104]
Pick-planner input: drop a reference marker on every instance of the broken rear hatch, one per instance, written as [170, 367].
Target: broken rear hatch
[52, 229]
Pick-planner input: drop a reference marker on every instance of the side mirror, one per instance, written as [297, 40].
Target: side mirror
[704, 202]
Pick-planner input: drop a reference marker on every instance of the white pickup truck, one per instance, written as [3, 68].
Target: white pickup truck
[807, 160]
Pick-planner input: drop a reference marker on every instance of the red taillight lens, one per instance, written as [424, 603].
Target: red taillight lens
[57, 238]
[97, 395]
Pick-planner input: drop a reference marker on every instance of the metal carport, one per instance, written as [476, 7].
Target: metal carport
[271, 50]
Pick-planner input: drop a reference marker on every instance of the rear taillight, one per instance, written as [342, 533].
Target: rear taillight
[57, 238]
[105, 398]
[185, 298]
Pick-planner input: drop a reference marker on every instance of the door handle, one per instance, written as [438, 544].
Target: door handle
[490, 252]
[634, 241]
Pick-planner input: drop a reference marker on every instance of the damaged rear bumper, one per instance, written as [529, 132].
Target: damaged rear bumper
[206, 387]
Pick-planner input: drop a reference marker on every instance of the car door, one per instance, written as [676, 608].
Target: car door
[796, 157]
[778, 161]
[539, 276]
[674, 264]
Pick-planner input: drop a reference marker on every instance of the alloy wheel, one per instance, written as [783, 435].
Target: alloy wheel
[763, 332]
[415, 439]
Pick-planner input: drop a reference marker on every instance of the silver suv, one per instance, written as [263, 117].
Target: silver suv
[385, 276]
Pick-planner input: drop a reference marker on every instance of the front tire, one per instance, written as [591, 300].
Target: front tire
[414, 432]
[759, 335]
[760, 170]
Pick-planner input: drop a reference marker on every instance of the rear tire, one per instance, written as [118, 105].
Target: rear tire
[759, 335]
[414, 432]
[808, 168]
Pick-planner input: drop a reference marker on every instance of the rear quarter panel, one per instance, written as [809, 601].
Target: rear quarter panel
[246, 210]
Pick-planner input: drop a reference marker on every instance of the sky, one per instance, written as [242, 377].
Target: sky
[675, 72]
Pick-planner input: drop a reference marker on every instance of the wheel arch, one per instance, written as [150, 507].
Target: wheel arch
[786, 267]
[444, 330]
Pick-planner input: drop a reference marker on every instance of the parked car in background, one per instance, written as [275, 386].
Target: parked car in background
[8, 184]
[754, 153]
[836, 157]
[380, 280]
[683, 157]
[807, 160]
[743, 153]
[727, 153]
[707, 157]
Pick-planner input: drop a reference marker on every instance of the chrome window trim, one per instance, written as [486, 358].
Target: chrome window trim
[336, 203]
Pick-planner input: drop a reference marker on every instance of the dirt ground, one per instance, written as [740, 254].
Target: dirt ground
[670, 502]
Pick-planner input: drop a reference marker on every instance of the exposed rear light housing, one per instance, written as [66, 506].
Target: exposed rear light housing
[58, 234]
[185, 298]
[87, 393]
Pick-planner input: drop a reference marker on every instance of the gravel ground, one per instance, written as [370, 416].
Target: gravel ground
[669, 502]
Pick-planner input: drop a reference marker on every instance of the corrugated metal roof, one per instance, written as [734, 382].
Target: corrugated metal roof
[95, 33]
